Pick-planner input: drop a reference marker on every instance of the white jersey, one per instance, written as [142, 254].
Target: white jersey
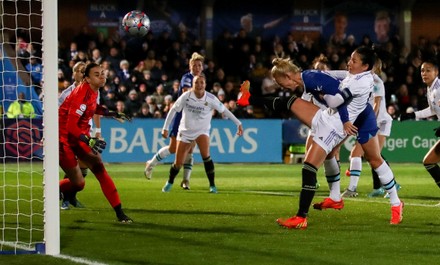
[196, 114]
[433, 95]
[360, 86]
[379, 91]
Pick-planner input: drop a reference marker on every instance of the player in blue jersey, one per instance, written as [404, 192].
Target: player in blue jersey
[329, 132]
[195, 68]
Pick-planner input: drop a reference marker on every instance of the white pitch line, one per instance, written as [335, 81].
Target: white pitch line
[384, 201]
[79, 260]
[74, 259]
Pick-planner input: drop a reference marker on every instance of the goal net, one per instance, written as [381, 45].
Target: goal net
[29, 214]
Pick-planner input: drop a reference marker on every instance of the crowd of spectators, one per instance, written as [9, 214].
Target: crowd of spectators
[143, 74]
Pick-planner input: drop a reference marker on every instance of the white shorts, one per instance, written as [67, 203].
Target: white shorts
[384, 127]
[189, 137]
[327, 130]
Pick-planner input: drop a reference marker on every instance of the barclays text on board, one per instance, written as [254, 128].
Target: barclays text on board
[138, 140]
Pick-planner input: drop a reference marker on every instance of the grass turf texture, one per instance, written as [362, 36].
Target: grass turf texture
[237, 225]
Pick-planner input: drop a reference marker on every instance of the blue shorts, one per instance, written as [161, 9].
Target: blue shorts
[366, 124]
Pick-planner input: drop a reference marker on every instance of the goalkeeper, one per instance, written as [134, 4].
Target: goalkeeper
[75, 114]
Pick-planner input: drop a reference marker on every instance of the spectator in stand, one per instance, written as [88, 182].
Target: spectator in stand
[143, 93]
[81, 56]
[249, 113]
[120, 107]
[110, 100]
[159, 95]
[146, 79]
[150, 61]
[96, 56]
[216, 87]
[157, 71]
[124, 72]
[220, 77]
[21, 50]
[392, 109]
[221, 96]
[167, 104]
[114, 84]
[132, 104]
[403, 97]
[139, 68]
[122, 92]
[230, 91]
[268, 85]
[108, 72]
[72, 54]
[114, 58]
[144, 112]
[35, 68]
[151, 101]
[83, 38]
[366, 41]
[175, 89]
[209, 73]
[21, 108]
[61, 79]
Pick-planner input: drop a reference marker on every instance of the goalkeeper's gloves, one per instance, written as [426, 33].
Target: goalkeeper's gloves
[407, 116]
[96, 144]
[437, 131]
[119, 116]
[122, 116]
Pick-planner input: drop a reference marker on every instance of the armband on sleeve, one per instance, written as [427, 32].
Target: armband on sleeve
[346, 94]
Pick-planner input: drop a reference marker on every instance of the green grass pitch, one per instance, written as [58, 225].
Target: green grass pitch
[237, 225]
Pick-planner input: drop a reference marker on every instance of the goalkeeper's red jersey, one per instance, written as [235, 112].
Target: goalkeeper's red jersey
[76, 112]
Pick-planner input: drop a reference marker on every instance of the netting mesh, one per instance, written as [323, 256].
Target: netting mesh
[21, 149]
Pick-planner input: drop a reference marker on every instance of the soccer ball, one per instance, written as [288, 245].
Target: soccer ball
[136, 23]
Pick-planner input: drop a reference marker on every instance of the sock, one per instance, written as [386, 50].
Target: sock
[308, 189]
[333, 175]
[173, 173]
[209, 169]
[119, 212]
[434, 171]
[355, 172]
[107, 185]
[163, 153]
[187, 166]
[386, 177]
[376, 180]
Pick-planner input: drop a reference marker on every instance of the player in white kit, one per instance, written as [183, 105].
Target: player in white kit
[196, 106]
[429, 72]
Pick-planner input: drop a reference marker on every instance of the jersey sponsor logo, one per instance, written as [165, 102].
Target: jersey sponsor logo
[83, 107]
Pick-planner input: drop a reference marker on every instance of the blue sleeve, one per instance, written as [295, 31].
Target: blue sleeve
[343, 113]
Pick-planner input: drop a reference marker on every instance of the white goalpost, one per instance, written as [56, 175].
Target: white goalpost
[29, 191]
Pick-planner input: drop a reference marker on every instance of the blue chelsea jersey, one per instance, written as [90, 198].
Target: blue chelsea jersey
[320, 83]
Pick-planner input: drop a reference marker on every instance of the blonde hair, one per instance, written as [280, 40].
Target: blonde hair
[378, 66]
[283, 66]
[78, 65]
[196, 57]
